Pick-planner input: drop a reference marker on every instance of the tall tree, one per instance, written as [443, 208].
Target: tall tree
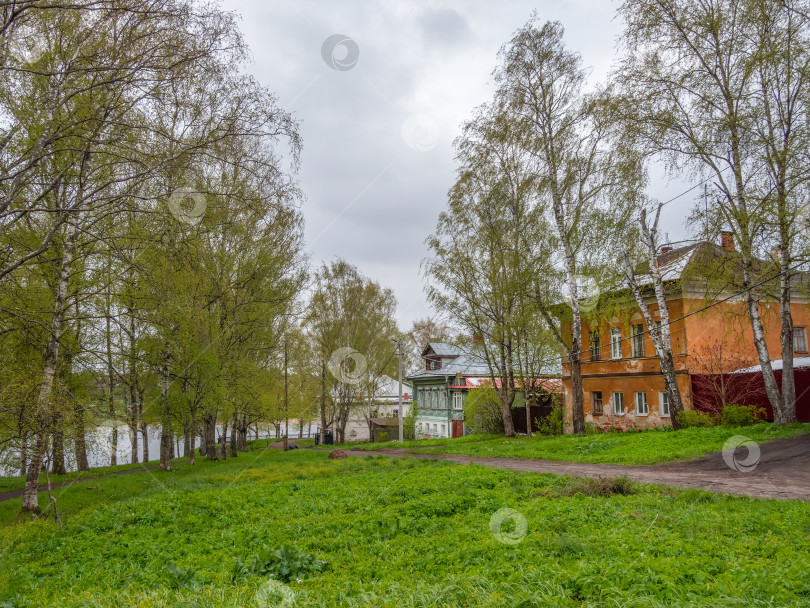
[719, 87]
[586, 183]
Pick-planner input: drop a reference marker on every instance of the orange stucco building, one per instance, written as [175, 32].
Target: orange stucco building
[621, 376]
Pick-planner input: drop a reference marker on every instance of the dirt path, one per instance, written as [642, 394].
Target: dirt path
[783, 470]
[8, 495]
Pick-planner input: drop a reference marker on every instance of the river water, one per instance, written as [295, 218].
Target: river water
[99, 446]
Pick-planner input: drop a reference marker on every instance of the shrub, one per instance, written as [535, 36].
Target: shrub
[692, 419]
[482, 411]
[285, 564]
[601, 487]
[742, 415]
[551, 424]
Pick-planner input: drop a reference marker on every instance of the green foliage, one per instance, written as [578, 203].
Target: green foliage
[741, 415]
[180, 578]
[284, 563]
[647, 447]
[552, 424]
[400, 533]
[694, 419]
[482, 410]
[409, 422]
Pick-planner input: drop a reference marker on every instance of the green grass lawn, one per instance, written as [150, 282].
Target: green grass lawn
[645, 448]
[418, 443]
[397, 532]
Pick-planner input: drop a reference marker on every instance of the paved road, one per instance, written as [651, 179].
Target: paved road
[783, 470]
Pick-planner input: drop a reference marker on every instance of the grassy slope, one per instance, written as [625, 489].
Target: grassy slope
[649, 447]
[420, 443]
[400, 533]
[16, 483]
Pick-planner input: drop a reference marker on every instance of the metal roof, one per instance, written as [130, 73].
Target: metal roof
[443, 349]
[469, 363]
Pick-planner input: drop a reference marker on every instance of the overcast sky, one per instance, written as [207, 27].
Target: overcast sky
[380, 106]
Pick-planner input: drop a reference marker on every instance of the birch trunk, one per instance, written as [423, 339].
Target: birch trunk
[166, 439]
[43, 412]
[661, 335]
[788, 414]
[111, 386]
[323, 402]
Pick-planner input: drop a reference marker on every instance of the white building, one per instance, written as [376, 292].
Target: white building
[384, 405]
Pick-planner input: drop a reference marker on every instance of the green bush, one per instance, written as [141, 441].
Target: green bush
[285, 564]
[742, 415]
[551, 424]
[384, 436]
[482, 411]
[693, 419]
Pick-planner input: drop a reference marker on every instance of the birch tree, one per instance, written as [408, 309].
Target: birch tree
[586, 183]
[719, 87]
[659, 332]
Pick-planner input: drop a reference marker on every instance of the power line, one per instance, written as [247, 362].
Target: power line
[705, 308]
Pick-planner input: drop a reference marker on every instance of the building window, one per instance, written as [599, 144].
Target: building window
[442, 430]
[435, 428]
[663, 404]
[396, 414]
[616, 343]
[458, 400]
[800, 339]
[596, 352]
[596, 400]
[618, 404]
[641, 404]
[443, 400]
[638, 340]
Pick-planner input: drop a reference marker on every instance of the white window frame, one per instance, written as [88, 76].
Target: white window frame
[797, 345]
[615, 343]
[663, 404]
[642, 407]
[458, 400]
[442, 430]
[618, 400]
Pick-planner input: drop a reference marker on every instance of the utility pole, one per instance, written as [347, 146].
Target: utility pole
[286, 399]
[400, 412]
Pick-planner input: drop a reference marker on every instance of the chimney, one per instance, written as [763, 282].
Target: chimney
[666, 249]
[727, 240]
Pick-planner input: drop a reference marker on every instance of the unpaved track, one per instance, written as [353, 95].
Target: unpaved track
[783, 470]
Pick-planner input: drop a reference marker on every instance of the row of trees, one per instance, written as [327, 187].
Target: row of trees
[549, 204]
[150, 235]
